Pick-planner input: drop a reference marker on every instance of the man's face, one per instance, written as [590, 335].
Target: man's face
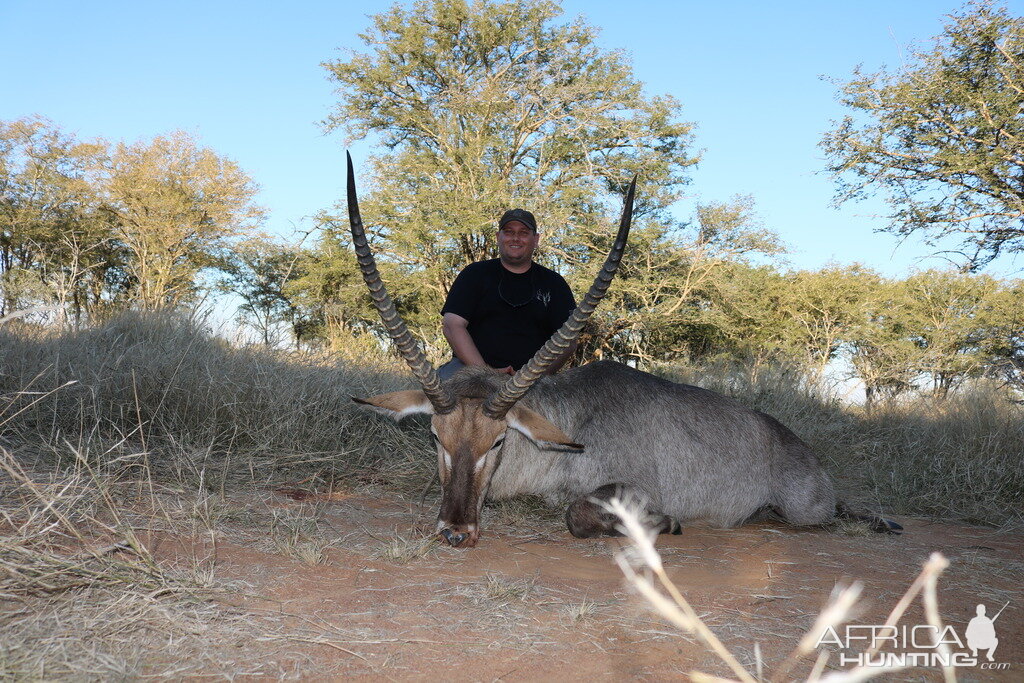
[516, 243]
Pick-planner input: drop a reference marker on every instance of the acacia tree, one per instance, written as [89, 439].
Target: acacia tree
[54, 249]
[883, 351]
[258, 271]
[820, 309]
[1005, 342]
[959, 322]
[943, 137]
[175, 207]
[486, 105]
[666, 304]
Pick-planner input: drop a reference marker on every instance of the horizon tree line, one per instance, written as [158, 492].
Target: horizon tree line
[89, 228]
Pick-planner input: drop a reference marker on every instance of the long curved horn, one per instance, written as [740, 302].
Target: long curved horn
[421, 367]
[500, 403]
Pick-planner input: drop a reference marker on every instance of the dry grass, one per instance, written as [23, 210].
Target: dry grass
[642, 566]
[148, 424]
[503, 590]
[158, 394]
[297, 533]
[404, 548]
[582, 611]
[81, 595]
[524, 512]
[198, 411]
[64, 531]
[503, 604]
[102, 634]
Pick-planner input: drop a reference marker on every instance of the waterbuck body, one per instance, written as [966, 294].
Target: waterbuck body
[691, 454]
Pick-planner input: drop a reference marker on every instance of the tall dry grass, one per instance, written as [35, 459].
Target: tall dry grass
[196, 407]
[141, 426]
[162, 386]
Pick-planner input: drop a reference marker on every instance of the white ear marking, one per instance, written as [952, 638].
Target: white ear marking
[515, 423]
[539, 430]
[411, 410]
[398, 404]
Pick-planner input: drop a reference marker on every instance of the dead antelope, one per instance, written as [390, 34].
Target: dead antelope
[689, 454]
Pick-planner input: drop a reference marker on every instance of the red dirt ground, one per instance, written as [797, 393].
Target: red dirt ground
[532, 603]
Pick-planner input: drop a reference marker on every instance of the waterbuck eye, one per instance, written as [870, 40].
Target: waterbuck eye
[497, 444]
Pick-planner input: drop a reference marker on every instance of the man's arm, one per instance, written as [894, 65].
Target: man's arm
[455, 331]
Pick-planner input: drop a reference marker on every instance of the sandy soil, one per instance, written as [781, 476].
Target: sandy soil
[533, 603]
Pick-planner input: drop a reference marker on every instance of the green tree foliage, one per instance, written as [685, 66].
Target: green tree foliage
[176, 207]
[665, 305]
[882, 347]
[943, 137]
[84, 227]
[802, 317]
[820, 309]
[1005, 341]
[937, 328]
[958, 323]
[330, 299]
[488, 105]
[55, 250]
[258, 270]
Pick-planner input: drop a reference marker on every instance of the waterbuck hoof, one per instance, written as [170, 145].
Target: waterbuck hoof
[887, 526]
[876, 523]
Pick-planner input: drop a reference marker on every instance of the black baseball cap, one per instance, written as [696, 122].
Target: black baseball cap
[521, 215]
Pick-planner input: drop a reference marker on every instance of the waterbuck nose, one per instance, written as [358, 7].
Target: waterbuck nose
[453, 539]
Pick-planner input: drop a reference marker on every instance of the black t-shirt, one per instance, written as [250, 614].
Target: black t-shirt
[511, 315]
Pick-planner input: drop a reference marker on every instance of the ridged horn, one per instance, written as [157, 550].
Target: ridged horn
[421, 367]
[501, 402]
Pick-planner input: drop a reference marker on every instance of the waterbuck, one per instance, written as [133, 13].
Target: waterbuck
[589, 433]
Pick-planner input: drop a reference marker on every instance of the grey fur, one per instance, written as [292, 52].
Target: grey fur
[695, 455]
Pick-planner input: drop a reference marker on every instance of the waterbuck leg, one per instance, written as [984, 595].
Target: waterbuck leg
[587, 518]
[879, 525]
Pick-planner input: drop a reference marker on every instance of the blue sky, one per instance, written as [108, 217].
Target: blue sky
[246, 78]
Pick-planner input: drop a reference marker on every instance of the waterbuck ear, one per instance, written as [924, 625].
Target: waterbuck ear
[398, 404]
[539, 430]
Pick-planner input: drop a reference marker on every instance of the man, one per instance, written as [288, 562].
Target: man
[500, 312]
[981, 633]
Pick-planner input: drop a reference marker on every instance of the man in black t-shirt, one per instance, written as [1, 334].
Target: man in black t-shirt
[500, 312]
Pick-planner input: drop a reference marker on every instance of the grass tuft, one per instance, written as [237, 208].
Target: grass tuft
[297, 533]
[581, 611]
[500, 589]
[405, 548]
